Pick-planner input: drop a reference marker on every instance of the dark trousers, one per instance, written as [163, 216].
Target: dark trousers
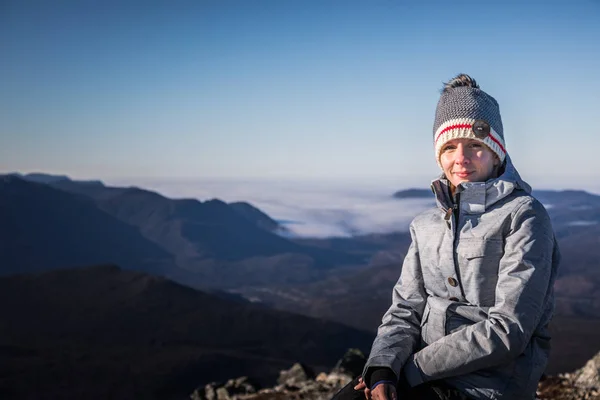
[436, 390]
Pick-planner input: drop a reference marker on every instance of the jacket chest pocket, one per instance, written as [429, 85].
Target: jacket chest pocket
[479, 262]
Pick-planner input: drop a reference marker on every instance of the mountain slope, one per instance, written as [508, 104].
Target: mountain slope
[209, 229]
[44, 228]
[223, 245]
[258, 218]
[187, 227]
[104, 332]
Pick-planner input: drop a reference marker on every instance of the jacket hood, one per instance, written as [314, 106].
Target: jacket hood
[476, 197]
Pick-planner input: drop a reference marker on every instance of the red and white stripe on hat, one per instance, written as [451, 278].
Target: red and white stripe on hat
[462, 128]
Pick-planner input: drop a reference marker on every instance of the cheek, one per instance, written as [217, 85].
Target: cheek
[487, 163]
[445, 161]
[486, 159]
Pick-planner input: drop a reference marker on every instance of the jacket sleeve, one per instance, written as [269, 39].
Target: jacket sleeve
[399, 333]
[525, 275]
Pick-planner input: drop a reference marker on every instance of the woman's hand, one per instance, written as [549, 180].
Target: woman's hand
[384, 391]
[381, 392]
[363, 386]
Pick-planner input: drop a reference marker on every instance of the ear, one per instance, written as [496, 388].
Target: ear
[496, 160]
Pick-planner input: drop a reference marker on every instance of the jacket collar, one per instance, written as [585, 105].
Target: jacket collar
[476, 197]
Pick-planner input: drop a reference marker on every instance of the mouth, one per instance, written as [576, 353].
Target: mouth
[462, 174]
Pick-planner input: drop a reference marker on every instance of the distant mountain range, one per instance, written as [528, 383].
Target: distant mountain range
[61, 222]
[414, 194]
[48, 178]
[103, 332]
[44, 228]
[52, 221]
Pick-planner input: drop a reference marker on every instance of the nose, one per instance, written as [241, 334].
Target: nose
[461, 154]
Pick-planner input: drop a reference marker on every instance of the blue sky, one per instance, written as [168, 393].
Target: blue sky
[308, 90]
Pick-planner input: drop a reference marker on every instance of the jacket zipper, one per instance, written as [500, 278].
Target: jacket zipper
[452, 211]
[456, 214]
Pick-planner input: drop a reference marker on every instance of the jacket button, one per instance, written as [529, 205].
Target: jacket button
[453, 299]
[452, 282]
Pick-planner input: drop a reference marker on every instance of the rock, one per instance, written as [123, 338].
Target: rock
[299, 383]
[241, 385]
[588, 377]
[296, 375]
[352, 363]
[196, 395]
[222, 394]
[322, 377]
[232, 389]
[207, 393]
[210, 391]
[583, 384]
[338, 380]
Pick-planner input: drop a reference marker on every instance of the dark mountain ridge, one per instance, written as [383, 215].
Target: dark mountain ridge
[414, 194]
[188, 227]
[44, 228]
[97, 190]
[40, 177]
[103, 332]
[208, 229]
[210, 243]
[258, 217]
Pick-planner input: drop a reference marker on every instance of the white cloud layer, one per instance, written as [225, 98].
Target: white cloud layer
[309, 209]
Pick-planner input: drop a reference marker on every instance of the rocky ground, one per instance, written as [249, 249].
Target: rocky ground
[583, 384]
[300, 383]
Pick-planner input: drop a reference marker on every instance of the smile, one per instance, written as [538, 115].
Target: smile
[462, 174]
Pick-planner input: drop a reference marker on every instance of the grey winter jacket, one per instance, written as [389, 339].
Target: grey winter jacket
[474, 298]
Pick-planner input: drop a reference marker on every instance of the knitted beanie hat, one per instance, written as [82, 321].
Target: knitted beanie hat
[466, 111]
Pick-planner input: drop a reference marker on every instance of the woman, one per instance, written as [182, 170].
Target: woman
[470, 311]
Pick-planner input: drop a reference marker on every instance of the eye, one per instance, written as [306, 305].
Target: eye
[475, 145]
[448, 147]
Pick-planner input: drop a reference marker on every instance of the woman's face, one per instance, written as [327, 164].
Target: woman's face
[467, 160]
